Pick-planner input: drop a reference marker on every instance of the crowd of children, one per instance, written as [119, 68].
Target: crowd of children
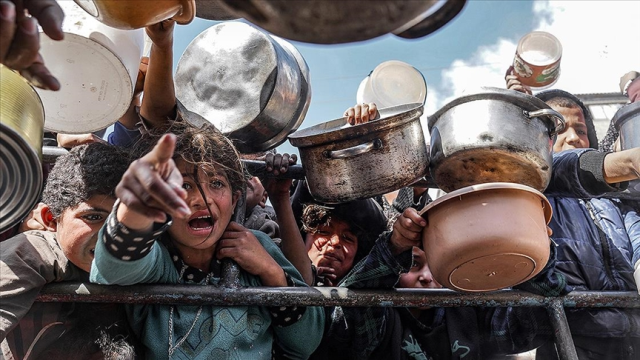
[162, 212]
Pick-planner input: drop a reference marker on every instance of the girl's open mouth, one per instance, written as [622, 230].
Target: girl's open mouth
[201, 223]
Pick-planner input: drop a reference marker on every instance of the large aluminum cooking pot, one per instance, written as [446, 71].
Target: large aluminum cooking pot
[493, 135]
[344, 163]
[330, 21]
[22, 117]
[251, 86]
[487, 237]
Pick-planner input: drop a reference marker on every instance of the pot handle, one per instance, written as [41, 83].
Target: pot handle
[556, 117]
[353, 151]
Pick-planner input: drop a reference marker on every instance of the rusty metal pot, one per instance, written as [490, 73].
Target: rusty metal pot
[21, 130]
[329, 21]
[487, 237]
[493, 135]
[136, 14]
[344, 163]
[251, 86]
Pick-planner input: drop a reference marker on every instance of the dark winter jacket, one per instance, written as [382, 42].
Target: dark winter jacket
[595, 239]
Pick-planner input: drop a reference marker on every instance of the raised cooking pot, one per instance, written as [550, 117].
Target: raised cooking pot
[493, 135]
[21, 130]
[344, 162]
[136, 14]
[251, 86]
[487, 237]
[330, 21]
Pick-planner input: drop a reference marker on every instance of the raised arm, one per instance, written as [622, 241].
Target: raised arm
[159, 100]
[292, 244]
[622, 166]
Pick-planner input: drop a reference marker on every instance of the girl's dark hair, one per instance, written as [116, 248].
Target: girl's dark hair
[85, 171]
[202, 147]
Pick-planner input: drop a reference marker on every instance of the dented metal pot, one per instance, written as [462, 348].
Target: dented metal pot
[493, 135]
[344, 162]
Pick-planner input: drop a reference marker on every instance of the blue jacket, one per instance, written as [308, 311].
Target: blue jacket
[596, 239]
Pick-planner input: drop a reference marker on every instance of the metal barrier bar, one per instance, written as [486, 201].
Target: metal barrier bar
[564, 341]
[321, 296]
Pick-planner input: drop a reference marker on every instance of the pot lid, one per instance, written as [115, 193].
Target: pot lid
[625, 113]
[548, 212]
[339, 129]
[526, 102]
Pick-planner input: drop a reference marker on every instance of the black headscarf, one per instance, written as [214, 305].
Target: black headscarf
[588, 118]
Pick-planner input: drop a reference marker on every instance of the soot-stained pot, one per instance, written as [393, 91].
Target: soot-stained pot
[493, 135]
[329, 21]
[344, 162]
[487, 237]
[21, 131]
[251, 86]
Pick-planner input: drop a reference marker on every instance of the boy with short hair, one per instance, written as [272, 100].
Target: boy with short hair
[76, 201]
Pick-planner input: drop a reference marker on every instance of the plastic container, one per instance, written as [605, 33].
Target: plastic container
[537, 59]
[97, 67]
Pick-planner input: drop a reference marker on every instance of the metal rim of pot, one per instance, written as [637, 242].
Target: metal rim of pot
[21, 177]
[532, 106]
[431, 20]
[331, 22]
[328, 132]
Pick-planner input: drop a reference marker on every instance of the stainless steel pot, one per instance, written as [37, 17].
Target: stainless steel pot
[22, 116]
[251, 86]
[344, 163]
[493, 135]
[329, 21]
[627, 122]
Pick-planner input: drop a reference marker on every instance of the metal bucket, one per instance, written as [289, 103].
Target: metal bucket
[22, 116]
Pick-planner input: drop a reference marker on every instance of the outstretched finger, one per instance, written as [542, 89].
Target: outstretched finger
[162, 152]
[49, 15]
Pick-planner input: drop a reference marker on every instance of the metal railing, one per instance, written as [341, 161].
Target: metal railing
[336, 296]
